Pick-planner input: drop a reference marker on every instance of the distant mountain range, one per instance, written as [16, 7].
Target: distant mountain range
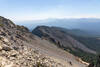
[89, 25]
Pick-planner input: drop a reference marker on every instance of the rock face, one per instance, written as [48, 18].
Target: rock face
[60, 38]
[20, 48]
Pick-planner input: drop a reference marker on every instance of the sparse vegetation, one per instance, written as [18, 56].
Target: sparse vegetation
[96, 63]
[1, 25]
[87, 57]
[38, 64]
[22, 28]
[90, 42]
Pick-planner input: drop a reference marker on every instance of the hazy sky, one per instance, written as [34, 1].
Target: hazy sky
[21, 10]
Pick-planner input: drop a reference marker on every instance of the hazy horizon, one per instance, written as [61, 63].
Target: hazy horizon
[26, 10]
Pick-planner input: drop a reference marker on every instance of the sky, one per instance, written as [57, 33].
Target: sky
[24, 10]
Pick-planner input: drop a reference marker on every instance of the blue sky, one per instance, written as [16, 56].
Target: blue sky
[22, 10]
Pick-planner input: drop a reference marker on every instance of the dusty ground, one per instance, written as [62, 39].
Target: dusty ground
[51, 50]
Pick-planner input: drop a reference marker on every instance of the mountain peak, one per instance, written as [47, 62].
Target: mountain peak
[6, 22]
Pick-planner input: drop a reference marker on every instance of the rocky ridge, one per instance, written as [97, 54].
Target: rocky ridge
[61, 38]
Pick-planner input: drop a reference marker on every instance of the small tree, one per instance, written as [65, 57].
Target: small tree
[98, 61]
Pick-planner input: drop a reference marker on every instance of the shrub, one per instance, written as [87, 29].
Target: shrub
[38, 64]
[1, 25]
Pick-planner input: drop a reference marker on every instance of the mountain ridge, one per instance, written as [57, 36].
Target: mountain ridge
[20, 48]
[60, 36]
[91, 25]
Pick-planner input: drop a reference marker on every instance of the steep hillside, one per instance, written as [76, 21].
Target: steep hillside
[65, 41]
[20, 48]
[89, 40]
[60, 37]
[79, 32]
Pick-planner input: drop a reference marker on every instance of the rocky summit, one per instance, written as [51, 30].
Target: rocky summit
[21, 48]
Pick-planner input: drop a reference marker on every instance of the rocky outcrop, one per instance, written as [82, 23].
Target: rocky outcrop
[25, 57]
